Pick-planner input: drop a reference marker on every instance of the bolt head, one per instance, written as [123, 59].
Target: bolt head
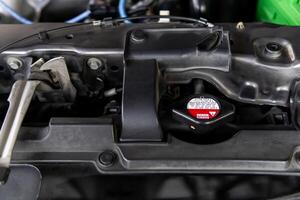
[94, 63]
[138, 36]
[273, 49]
[14, 63]
[107, 158]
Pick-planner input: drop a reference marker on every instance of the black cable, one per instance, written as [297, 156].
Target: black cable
[177, 18]
[202, 22]
[37, 34]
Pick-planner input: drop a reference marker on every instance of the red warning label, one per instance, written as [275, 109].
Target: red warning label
[203, 108]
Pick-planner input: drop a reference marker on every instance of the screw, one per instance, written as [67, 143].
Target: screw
[107, 158]
[14, 63]
[94, 63]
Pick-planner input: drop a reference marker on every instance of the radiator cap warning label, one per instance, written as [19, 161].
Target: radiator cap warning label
[205, 108]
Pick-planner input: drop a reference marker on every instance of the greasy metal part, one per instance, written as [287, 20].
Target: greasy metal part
[60, 74]
[19, 100]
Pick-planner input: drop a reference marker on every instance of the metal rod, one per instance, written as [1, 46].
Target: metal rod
[19, 100]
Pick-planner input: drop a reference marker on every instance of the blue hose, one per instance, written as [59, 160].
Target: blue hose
[79, 17]
[122, 8]
[13, 13]
[23, 20]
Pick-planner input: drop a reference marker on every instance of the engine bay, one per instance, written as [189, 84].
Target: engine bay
[152, 94]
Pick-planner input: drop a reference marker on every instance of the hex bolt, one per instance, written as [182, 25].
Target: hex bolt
[273, 49]
[107, 158]
[94, 63]
[14, 63]
[138, 36]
